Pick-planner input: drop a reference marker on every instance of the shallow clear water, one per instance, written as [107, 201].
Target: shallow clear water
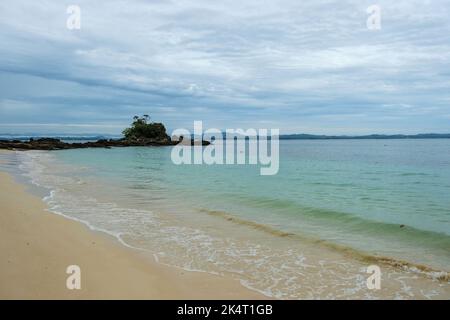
[382, 198]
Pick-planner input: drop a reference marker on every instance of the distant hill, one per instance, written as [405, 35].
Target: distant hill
[302, 136]
[63, 137]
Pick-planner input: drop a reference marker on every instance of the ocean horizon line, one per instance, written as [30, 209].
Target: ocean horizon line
[294, 136]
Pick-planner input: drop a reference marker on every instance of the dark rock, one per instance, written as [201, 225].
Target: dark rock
[56, 144]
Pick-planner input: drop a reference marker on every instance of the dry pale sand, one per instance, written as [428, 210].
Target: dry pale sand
[36, 247]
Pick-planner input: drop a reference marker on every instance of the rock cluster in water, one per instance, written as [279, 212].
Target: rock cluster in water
[57, 144]
[141, 133]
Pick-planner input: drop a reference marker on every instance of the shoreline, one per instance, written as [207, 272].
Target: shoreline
[143, 275]
[359, 255]
[37, 246]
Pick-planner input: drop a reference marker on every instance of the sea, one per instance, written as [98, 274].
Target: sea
[312, 231]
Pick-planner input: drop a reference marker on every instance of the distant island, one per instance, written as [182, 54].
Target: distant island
[141, 133]
[371, 136]
[304, 136]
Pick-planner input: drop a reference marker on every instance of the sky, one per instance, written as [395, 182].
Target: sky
[296, 65]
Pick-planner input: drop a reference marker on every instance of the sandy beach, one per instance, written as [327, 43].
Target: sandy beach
[37, 246]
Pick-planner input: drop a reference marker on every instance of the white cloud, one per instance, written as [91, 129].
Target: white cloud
[282, 58]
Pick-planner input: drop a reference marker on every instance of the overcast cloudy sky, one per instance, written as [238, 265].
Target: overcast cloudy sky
[301, 66]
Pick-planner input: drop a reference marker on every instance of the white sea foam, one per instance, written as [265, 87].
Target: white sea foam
[281, 273]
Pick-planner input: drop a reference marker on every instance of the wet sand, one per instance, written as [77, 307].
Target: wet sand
[38, 246]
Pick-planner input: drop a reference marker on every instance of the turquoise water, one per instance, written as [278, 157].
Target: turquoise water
[383, 198]
[336, 190]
